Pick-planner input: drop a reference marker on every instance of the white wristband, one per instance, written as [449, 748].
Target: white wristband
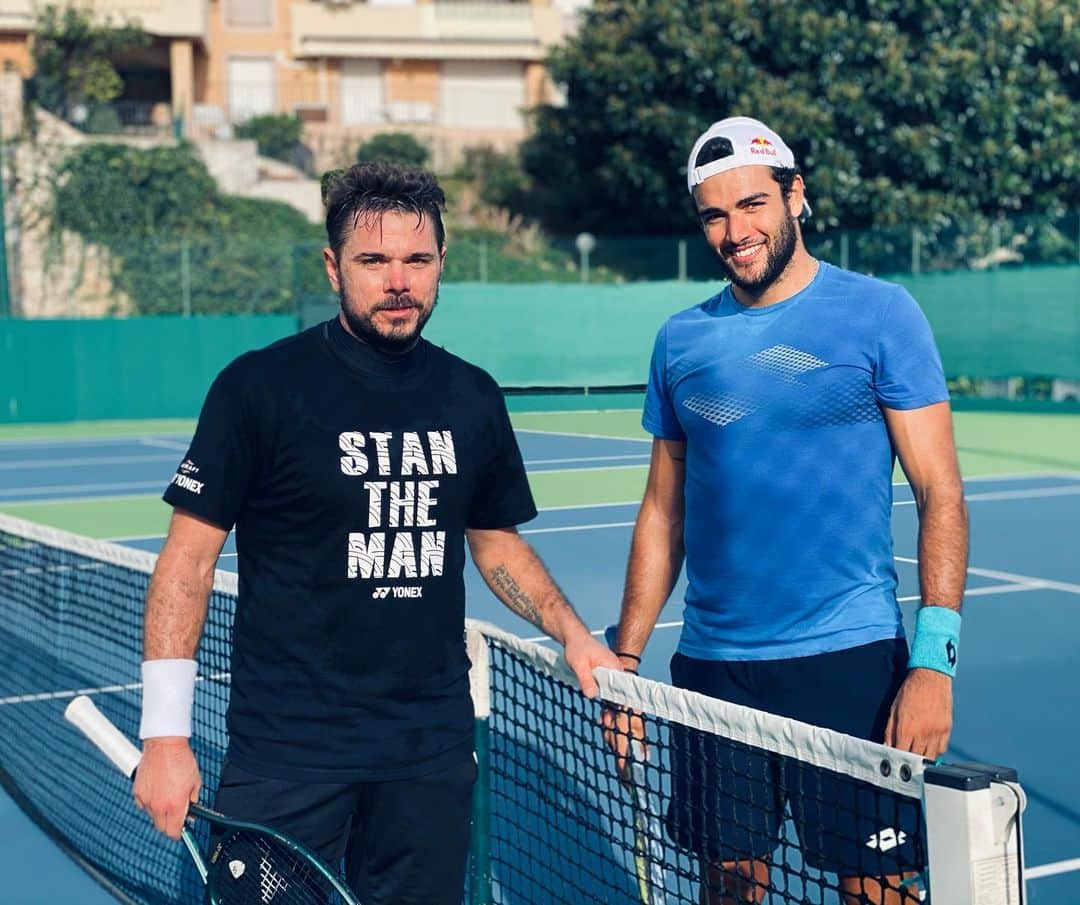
[168, 696]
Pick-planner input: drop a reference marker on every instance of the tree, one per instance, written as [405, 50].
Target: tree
[899, 111]
[176, 242]
[276, 134]
[395, 147]
[72, 55]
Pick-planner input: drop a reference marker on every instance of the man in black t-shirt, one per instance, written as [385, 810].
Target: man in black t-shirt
[355, 461]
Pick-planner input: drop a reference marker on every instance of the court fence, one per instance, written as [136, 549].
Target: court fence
[245, 274]
[1007, 332]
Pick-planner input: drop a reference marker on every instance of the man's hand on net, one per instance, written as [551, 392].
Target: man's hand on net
[583, 654]
[921, 717]
[622, 727]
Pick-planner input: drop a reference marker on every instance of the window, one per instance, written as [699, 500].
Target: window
[251, 87]
[361, 92]
[481, 94]
[249, 13]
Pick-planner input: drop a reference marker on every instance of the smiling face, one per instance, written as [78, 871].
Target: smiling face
[387, 277]
[755, 231]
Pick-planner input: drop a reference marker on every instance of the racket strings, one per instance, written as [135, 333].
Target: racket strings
[250, 868]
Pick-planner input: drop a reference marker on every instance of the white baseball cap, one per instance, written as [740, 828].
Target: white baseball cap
[738, 141]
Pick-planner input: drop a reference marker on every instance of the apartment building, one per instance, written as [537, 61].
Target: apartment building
[453, 72]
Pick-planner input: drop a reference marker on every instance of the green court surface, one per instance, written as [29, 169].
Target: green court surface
[990, 443]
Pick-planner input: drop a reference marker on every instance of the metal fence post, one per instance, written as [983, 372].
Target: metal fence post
[844, 250]
[483, 261]
[682, 260]
[916, 251]
[185, 276]
[5, 290]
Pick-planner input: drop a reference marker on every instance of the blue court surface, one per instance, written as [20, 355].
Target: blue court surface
[1021, 616]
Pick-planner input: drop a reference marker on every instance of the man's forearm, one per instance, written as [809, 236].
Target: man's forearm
[176, 605]
[656, 557]
[943, 546]
[519, 579]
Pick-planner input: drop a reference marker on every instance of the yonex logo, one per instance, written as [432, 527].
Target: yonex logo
[380, 593]
[187, 483]
[887, 839]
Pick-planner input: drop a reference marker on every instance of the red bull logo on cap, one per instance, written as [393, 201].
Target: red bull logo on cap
[762, 146]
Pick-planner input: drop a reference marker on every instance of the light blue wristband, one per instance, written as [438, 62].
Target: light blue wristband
[937, 640]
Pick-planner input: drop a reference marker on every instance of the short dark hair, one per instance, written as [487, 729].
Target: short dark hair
[785, 176]
[377, 187]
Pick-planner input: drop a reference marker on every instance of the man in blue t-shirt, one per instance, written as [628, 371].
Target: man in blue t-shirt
[778, 407]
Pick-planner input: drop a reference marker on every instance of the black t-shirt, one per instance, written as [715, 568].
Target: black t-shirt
[351, 477]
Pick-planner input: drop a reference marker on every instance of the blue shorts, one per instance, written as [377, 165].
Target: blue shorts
[728, 799]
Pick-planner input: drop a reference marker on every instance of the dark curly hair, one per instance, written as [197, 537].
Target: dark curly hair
[375, 188]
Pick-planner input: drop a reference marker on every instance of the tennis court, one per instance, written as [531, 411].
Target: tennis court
[587, 468]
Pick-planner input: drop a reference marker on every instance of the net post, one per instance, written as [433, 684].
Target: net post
[480, 831]
[973, 834]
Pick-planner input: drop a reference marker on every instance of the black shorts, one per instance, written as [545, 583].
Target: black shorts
[401, 841]
[728, 799]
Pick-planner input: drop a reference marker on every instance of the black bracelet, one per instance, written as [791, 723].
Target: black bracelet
[622, 653]
[632, 672]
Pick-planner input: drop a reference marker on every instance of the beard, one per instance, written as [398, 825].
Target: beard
[778, 253]
[395, 341]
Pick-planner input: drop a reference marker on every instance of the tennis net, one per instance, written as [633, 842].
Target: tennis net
[555, 821]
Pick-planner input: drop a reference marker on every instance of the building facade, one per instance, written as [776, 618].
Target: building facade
[454, 73]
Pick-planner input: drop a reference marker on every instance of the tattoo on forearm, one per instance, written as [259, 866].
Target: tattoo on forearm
[516, 598]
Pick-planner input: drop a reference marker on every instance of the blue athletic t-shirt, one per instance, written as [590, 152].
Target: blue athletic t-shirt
[789, 463]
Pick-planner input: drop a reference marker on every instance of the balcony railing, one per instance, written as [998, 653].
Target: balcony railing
[464, 30]
[168, 18]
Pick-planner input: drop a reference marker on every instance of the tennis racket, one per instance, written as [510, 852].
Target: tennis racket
[648, 833]
[252, 864]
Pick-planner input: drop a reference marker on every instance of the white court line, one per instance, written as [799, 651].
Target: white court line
[524, 430]
[575, 528]
[78, 463]
[177, 445]
[529, 462]
[56, 443]
[76, 488]
[1024, 494]
[980, 592]
[1052, 870]
[1013, 578]
[101, 689]
[51, 570]
[591, 468]
[70, 501]
[588, 506]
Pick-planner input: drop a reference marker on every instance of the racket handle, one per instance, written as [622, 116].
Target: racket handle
[83, 713]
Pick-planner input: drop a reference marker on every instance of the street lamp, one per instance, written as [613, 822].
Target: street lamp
[585, 243]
